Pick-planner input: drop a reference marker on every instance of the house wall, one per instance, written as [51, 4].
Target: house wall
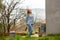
[53, 16]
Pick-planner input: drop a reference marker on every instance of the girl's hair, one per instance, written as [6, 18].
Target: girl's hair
[29, 11]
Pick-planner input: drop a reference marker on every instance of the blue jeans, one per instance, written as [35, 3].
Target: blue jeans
[30, 29]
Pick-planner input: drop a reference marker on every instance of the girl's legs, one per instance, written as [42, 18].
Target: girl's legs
[30, 29]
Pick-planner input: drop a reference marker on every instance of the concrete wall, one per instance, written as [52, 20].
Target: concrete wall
[53, 16]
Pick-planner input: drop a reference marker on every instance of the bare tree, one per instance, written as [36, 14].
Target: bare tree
[6, 12]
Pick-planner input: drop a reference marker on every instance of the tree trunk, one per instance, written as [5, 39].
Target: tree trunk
[3, 28]
[8, 27]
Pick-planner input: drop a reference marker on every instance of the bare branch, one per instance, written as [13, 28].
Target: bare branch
[22, 1]
[13, 7]
[10, 5]
[6, 2]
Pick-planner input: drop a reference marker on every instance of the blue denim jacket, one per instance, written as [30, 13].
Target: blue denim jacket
[29, 19]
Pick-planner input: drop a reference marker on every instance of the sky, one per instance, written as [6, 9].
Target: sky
[33, 4]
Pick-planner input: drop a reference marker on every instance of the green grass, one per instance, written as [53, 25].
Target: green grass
[18, 37]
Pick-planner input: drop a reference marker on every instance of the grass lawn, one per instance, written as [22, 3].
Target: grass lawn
[18, 37]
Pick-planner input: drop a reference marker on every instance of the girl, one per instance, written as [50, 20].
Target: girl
[29, 21]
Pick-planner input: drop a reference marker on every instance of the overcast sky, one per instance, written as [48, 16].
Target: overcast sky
[32, 4]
